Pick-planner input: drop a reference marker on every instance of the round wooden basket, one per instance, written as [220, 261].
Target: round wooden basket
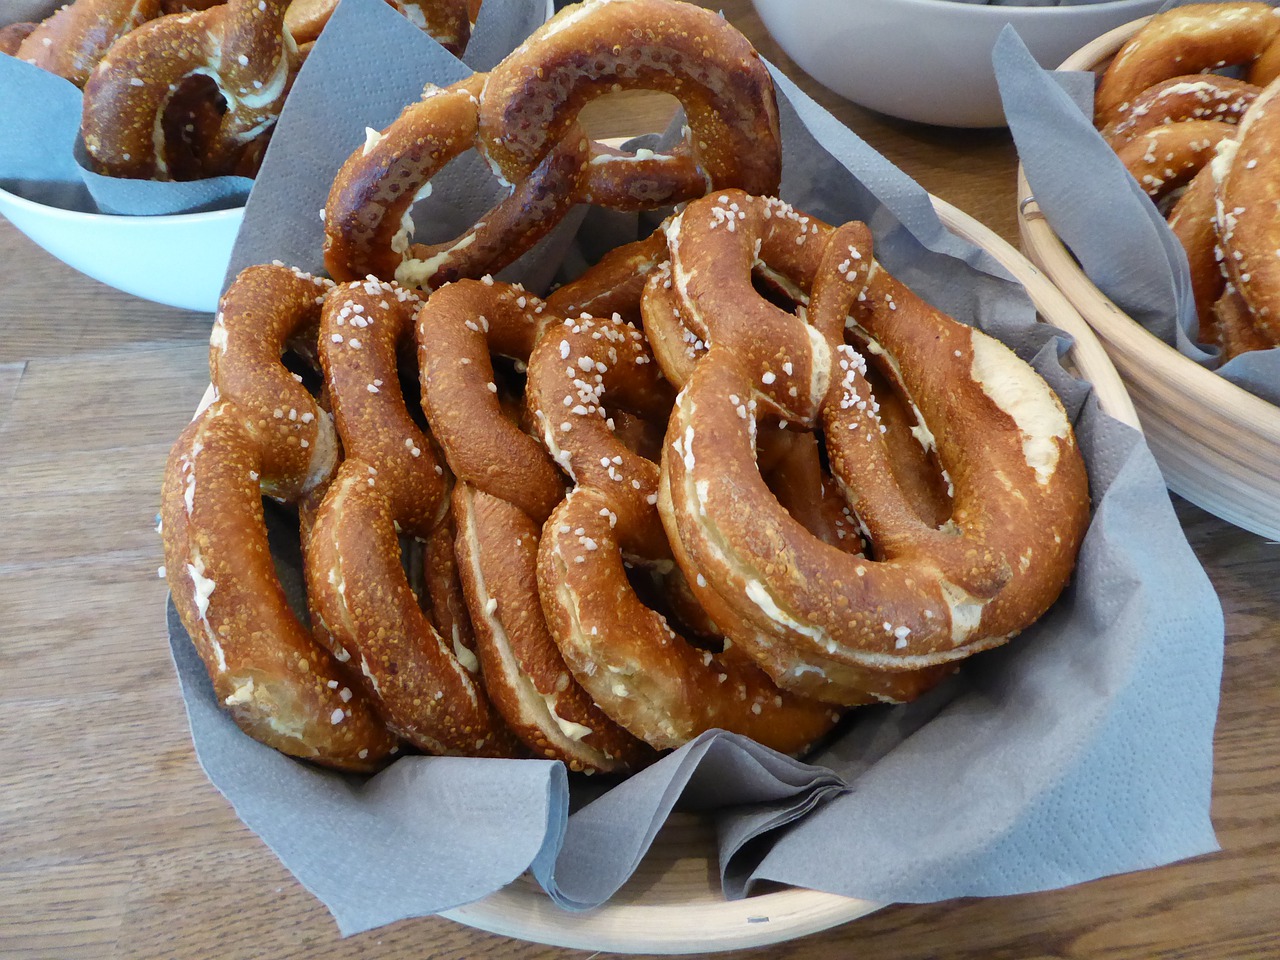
[1217, 444]
[673, 903]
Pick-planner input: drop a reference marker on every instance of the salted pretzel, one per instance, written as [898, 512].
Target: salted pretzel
[639, 670]
[1175, 129]
[826, 624]
[507, 486]
[72, 41]
[427, 688]
[242, 45]
[1249, 236]
[367, 216]
[526, 126]
[447, 21]
[1185, 40]
[264, 435]
[532, 99]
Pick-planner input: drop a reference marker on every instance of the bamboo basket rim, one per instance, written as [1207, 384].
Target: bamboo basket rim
[1216, 395]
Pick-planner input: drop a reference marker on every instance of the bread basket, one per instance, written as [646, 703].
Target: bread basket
[1222, 451]
[673, 903]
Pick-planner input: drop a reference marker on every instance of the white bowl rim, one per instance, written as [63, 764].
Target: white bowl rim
[1006, 11]
[150, 219]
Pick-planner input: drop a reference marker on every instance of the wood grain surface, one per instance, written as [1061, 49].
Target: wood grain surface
[113, 843]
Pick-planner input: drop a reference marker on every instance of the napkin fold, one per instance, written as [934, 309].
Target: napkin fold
[1037, 765]
[1113, 229]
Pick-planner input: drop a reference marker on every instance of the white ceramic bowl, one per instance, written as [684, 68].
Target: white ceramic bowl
[929, 60]
[177, 260]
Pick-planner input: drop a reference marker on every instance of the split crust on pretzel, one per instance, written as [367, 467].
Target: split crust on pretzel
[507, 487]
[367, 216]
[1186, 40]
[264, 435]
[827, 625]
[242, 45]
[427, 688]
[532, 99]
[638, 669]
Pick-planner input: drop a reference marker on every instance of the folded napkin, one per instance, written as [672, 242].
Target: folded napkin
[1080, 749]
[1114, 230]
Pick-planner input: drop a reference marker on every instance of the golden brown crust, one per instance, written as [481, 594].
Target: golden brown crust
[280, 687]
[367, 225]
[1249, 196]
[73, 40]
[525, 673]
[1201, 96]
[458, 328]
[11, 37]
[426, 687]
[242, 45]
[1164, 158]
[1185, 40]
[840, 627]
[642, 673]
[445, 20]
[532, 99]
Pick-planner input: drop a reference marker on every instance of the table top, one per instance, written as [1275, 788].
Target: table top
[115, 844]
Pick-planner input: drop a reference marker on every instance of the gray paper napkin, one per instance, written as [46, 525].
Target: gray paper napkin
[1122, 242]
[1035, 766]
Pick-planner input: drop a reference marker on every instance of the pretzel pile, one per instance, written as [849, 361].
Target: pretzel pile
[734, 476]
[189, 89]
[1203, 147]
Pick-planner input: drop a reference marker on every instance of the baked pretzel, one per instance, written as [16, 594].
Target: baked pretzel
[532, 99]
[72, 41]
[638, 669]
[11, 37]
[1192, 39]
[1247, 194]
[427, 689]
[507, 487]
[1173, 129]
[242, 45]
[447, 21]
[526, 126]
[367, 216]
[263, 435]
[826, 624]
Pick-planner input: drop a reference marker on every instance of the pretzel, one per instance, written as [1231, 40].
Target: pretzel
[11, 37]
[507, 487]
[826, 624]
[1193, 221]
[427, 690]
[529, 133]
[1185, 40]
[72, 41]
[447, 21]
[367, 222]
[242, 45]
[1246, 220]
[1164, 158]
[532, 99]
[263, 435]
[1197, 97]
[636, 667]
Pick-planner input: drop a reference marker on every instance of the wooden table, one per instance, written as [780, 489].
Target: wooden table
[112, 842]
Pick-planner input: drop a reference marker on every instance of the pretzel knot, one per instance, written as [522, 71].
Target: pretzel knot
[263, 435]
[507, 486]
[532, 99]
[242, 46]
[523, 119]
[822, 622]
[636, 667]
